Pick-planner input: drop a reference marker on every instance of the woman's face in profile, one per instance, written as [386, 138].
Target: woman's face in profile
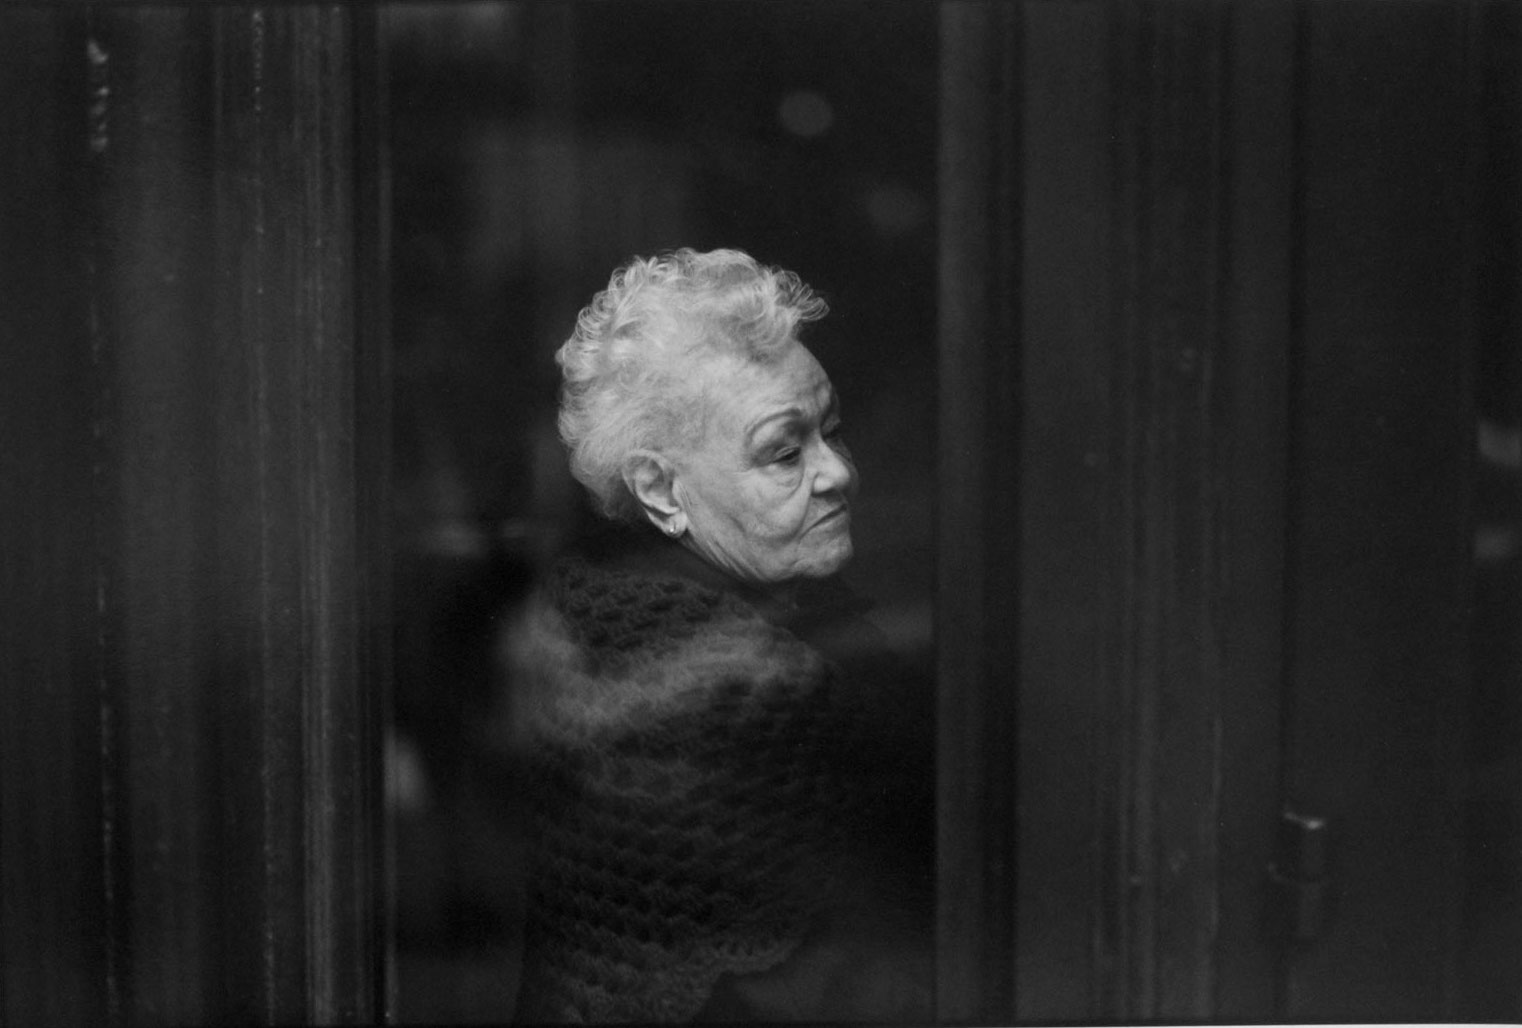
[767, 488]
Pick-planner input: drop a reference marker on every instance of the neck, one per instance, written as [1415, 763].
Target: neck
[776, 601]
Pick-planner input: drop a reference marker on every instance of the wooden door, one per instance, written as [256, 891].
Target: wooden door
[192, 516]
[1214, 283]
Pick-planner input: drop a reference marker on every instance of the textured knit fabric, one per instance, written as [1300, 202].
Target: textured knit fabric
[690, 817]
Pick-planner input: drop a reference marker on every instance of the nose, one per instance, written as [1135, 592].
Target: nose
[834, 471]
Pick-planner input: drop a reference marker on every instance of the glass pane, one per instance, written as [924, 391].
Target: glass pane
[535, 148]
[1491, 918]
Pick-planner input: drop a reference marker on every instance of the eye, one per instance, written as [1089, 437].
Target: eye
[833, 430]
[788, 455]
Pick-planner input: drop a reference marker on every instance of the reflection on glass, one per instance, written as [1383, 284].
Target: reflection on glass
[534, 148]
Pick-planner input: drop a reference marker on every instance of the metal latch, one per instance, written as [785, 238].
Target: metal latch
[1300, 880]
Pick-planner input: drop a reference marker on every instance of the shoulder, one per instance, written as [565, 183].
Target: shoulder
[608, 651]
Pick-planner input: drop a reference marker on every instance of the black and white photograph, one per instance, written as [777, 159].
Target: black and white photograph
[821, 512]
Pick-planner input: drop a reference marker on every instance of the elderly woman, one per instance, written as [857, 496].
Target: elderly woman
[709, 784]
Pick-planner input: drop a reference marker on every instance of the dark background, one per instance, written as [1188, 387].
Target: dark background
[534, 148]
[1179, 342]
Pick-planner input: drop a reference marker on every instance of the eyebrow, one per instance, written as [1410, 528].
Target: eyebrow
[831, 406]
[766, 419]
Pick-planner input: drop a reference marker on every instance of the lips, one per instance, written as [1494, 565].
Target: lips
[843, 511]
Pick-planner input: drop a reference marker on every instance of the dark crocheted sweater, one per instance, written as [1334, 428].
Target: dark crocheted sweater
[691, 792]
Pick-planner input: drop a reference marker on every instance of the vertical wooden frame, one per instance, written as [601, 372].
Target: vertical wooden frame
[223, 383]
[54, 962]
[1114, 379]
[1237, 446]
[1127, 470]
[1166, 466]
[977, 544]
[150, 257]
[1255, 385]
[1066, 767]
[1382, 419]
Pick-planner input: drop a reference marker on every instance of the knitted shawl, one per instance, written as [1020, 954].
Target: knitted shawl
[687, 807]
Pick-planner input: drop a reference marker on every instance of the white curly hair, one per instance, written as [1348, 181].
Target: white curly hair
[627, 368]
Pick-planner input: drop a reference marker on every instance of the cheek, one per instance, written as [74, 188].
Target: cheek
[778, 511]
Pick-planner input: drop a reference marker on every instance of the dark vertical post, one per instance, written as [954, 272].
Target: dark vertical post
[55, 912]
[288, 564]
[1167, 472]
[1067, 774]
[373, 904]
[151, 267]
[1126, 472]
[1381, 547]
[1110, 359]
[977, 540]
[209, 383]
[1254, 382]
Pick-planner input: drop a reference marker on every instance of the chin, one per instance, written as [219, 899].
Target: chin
[838, 556]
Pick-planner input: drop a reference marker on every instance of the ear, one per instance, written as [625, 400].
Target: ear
[651, 479]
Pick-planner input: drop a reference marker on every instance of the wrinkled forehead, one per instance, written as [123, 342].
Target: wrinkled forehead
[726, 393]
